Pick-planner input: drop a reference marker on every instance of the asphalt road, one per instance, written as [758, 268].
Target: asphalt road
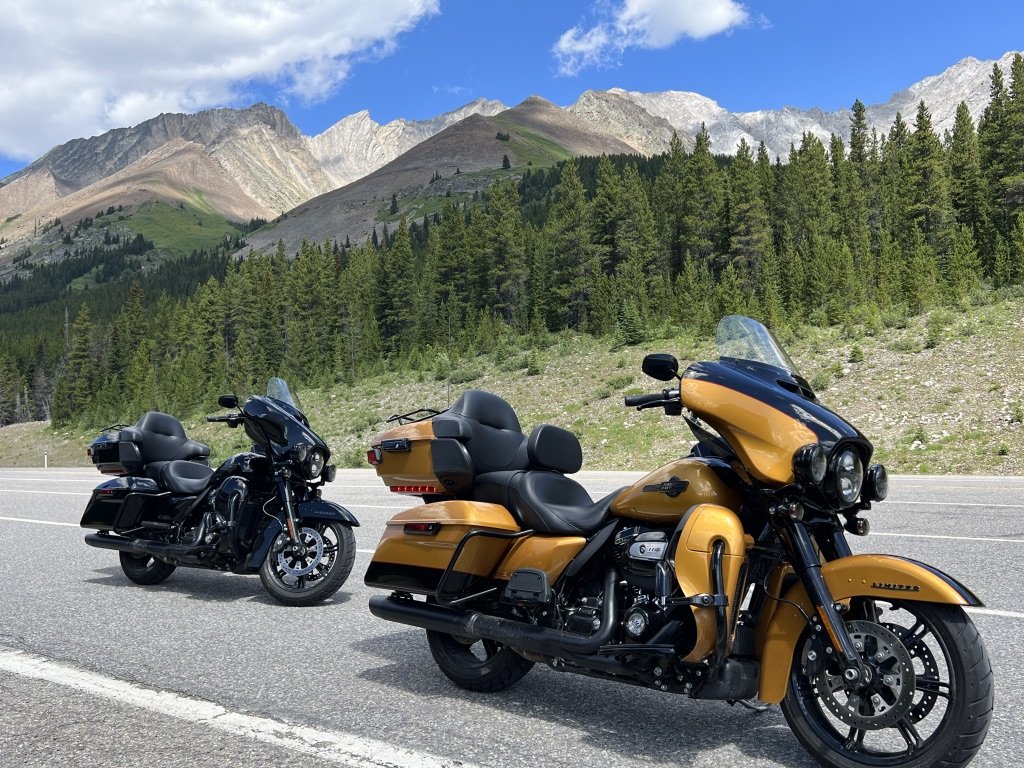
[205, 670]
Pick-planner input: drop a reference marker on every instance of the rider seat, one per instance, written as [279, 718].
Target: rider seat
[541, 497]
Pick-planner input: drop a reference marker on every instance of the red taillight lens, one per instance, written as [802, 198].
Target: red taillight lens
[374, 456]
[422, 529]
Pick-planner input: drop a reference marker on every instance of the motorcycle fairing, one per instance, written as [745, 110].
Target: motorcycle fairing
[764, 414]
[886, 577]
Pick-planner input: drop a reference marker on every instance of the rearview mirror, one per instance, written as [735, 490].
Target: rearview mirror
[227, 401]
[661, 366]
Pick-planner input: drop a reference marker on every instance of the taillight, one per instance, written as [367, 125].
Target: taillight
[422, 529]
[415, 489]
[374, 456]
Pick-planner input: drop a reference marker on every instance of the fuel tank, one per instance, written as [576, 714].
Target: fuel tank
[664, 496]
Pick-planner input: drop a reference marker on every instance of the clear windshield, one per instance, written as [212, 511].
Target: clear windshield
[278, 389]
[741, 338]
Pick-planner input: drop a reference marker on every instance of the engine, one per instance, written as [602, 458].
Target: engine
[636, 552]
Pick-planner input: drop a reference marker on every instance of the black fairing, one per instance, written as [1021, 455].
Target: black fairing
[782, 390]
[278, 426]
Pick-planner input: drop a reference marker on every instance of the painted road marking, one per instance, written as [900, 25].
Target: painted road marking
[48, 493]
[988, 539]
[994, 612]
[332, 746]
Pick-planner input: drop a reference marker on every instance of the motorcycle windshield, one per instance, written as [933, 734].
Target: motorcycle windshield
[741, 338]
[278, 389]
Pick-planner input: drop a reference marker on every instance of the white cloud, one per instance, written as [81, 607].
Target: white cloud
[74, 70]
[648, 24]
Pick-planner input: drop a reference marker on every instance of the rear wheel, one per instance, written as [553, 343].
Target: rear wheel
[313, 570]
[477, 665]
[928, 703]
[145, 569]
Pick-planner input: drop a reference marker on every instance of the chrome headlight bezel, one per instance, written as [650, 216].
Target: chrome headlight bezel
[846, 475]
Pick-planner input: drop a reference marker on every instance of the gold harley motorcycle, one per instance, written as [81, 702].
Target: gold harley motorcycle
[722, 575]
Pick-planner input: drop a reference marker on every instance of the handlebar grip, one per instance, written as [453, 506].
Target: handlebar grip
[635, 401]
[218, 418]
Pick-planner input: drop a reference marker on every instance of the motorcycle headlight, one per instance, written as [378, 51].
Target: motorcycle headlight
[314, 464]
[810, 463]
[848, 476]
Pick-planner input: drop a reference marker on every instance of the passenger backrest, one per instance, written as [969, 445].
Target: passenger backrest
[551, 447]
[161, 437]
[489, 428]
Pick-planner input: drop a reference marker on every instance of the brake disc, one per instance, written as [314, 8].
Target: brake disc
[923, 654]
[302, 562]
[887, 696]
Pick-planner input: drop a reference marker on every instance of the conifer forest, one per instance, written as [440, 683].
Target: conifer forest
[887, 225]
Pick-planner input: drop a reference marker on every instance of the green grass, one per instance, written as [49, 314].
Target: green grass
[183, 228]
[531, 149]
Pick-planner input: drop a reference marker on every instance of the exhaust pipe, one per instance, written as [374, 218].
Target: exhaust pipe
[480, 626]
[182, 554]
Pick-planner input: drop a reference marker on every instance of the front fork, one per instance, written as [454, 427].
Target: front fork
[828, 618]
[284, 491]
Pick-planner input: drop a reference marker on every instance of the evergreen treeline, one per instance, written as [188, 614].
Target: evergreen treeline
[864, 233]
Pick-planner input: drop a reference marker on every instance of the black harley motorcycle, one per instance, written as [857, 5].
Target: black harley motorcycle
[261, 510]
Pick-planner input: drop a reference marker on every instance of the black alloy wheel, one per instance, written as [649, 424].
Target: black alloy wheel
[313, 570]
[928, 702]
[477, 665]
[145, 569]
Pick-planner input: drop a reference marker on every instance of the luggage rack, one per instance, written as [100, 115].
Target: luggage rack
[412, 416]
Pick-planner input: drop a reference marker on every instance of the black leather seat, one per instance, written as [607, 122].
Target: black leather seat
[489, 429]
[541, 497]
[161, 440]
[185, 477]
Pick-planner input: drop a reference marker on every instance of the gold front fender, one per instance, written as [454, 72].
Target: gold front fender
[885, 577]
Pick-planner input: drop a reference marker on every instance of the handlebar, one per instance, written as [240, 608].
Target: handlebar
[667, 397]
[232, 419]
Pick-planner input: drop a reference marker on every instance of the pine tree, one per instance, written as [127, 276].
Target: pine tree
[605, 215]
[930, 209]
[75, 384]
[963, 266]
[573, 263]
[967, 193]
[669, 193]
[750, 238]
[702, 202]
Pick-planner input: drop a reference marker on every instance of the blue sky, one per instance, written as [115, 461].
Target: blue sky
[73, 70]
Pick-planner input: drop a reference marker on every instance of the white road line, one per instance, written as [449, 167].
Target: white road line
[952, 504]
[988, 539]
[994, 612]
[48, 493]
[39, 522]
[333, 746]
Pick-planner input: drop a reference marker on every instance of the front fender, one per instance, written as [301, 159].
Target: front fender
[314, 509]
[886, 577]
[318, 509]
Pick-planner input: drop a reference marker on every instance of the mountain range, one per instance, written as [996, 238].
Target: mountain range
[253, 163]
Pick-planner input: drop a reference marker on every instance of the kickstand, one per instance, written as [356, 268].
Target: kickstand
[748, 704]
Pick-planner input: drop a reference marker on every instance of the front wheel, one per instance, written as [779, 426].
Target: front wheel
[477, 665]
[928, 702]
[309, 572]
[145, 569]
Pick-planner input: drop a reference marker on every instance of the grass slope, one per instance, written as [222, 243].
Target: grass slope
[183, 228]
[943, 393]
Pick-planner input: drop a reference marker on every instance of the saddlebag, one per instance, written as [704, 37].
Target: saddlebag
[128, 503]
[450, 549]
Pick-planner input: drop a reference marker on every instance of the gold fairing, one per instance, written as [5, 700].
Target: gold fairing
[854, 576]
[703, 486]
[705, 525]
[457, 518]
[764, 438]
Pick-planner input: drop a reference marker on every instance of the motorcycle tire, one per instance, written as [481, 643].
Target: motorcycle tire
[484, 666]
[145, 569]
[941, 716]
[278, 572]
